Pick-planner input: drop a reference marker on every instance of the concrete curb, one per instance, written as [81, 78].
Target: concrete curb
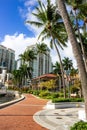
[63, 105]
[12, 102]
[39, 119]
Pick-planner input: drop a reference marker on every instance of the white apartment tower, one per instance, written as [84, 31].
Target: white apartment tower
[7, 58]
[42, 64]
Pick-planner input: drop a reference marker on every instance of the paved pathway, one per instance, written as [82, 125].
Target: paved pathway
[20, 115]
[57, 119]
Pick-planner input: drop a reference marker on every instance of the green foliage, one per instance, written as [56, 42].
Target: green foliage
[76, 87]
[55, 100]
[79, 126]
[44, 94]
[61, 94]
[51, 84]
[36, 92]
[55, 95]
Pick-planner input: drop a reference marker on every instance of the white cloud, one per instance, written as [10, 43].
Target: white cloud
[18, 42]
[30, 2]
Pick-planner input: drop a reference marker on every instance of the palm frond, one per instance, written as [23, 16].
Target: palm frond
[38, 24]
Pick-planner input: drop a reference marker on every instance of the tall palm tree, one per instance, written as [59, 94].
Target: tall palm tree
[75, 47]
[67, 63]
[50, 20]
[41, 50]
[80, 13]
[30, 55]
[56, 68]
[57, 71]
[17, 77]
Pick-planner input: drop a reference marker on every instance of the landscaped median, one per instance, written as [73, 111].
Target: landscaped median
[17, 99]
[61, 105]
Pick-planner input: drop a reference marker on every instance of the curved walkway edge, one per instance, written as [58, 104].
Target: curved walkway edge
[57, 119]
[12, 102]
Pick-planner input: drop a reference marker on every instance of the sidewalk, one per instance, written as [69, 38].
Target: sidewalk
[57, 119]
[20, 115]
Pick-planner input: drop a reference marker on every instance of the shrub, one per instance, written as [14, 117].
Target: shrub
[55, 95]
[61, 94]
[79, 126]
[55, 100]
[44, 93]
[36, 92]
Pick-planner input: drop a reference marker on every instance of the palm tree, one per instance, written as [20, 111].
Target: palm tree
[56, 68]
[80, 12]
[74, 72]
[67, 63]
[75, 47]
[17, 77]
[22, 58]
[41, 50]
[50, 20]
[57, 71]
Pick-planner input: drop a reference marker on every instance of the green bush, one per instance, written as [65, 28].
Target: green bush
[79, 126]
[36, 92]
[55, 95]
[55, 100]
[61, 94]
[76, 99]
[44, 94]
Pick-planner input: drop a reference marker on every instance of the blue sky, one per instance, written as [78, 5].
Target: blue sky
[11, 20]
[15, 34]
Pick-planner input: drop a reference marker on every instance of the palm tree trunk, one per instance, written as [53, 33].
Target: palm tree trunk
[76, 49]
[62, 71]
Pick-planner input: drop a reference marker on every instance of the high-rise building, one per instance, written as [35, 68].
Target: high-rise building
[7, 58]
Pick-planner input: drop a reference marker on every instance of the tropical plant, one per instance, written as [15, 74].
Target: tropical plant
[57, 71]
[56, 68]
[49, 19]
[75, 47]
[49, 85]
[67, 63]
[41, 50]
[79, 13]
[73, 72]
[17, 77]
[81, 125]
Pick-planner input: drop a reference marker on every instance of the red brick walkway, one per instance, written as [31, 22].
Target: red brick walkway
[20, 115]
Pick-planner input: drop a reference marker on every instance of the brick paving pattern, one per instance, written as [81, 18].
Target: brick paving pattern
[20, 115]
